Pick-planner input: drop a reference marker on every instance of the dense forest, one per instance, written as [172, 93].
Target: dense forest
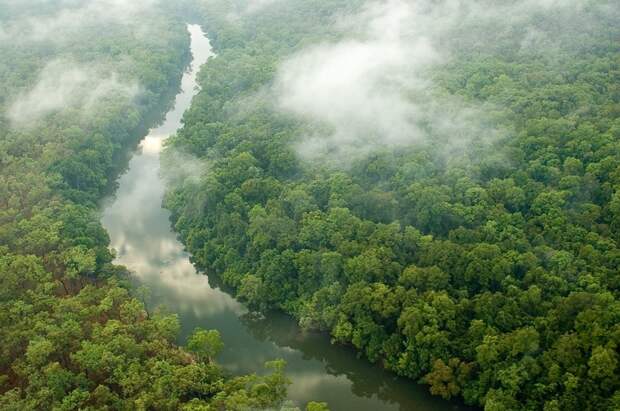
[435, 183]
[80, 83]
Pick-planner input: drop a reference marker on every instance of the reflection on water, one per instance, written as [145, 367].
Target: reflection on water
[335, 374]
[140, 233]
[139, 227]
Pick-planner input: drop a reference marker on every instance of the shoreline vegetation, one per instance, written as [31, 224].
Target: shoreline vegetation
[73, 334]
[481, 259]
[434, 183]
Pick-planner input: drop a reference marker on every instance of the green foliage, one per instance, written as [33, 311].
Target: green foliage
[72, 337]
[205, 344]
[492, 276]
[317, 406]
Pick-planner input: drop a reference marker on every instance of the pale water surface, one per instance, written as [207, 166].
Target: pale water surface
[142, 237]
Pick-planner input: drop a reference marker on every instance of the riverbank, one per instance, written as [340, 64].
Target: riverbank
[140, 231]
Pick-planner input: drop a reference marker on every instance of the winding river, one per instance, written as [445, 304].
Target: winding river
[140, 233]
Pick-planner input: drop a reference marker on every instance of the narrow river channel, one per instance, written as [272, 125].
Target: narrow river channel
[140, 232]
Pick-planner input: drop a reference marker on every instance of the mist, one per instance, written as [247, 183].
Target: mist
[66, 77]
[73, 16]
[375, 87]
[256, 5]
[245, 8]
[64, 85]
[358, 86]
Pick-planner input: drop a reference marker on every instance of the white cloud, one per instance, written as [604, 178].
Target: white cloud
[373, 88]
[65, 84]
[70, 17]
[361, 87]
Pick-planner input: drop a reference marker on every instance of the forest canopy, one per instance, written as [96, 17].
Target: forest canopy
[80, 83]
[436, 183]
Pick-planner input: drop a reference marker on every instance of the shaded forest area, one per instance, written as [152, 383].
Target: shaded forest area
[480, 256]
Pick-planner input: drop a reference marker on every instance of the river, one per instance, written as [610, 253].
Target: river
[140, 233]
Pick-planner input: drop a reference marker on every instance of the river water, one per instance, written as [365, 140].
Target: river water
[140, 233]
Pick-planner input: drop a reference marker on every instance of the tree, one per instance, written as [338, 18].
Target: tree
[205, 344]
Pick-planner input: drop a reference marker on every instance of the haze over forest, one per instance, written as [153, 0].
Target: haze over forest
[433, 185]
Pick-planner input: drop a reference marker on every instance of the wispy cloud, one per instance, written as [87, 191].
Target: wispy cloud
[374, 87]
[68, 17]
[65, 84]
